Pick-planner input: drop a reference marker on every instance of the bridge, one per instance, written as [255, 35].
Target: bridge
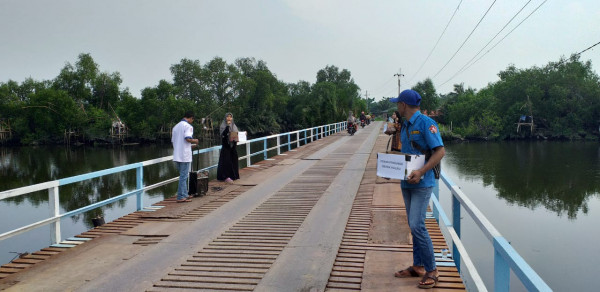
[312, 218]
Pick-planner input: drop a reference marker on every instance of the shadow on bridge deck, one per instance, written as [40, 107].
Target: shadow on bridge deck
[313, 219]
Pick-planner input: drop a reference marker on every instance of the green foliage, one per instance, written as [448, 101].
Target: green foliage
[429, 96]
[83, 98]
[563, 97]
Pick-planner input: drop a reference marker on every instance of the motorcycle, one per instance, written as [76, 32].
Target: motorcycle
[362, 123]
[351, 129]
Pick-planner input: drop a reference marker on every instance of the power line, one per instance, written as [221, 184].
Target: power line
[488, 10]
[463, 67]
[588, 48]
[502, 38]
[578, 54]
[436, 43]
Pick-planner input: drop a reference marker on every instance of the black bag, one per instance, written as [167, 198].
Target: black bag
[198, 181]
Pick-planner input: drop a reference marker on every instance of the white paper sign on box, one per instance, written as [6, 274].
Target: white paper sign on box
[398, 166]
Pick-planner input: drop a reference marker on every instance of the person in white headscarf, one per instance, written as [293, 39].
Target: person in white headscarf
[227, 170]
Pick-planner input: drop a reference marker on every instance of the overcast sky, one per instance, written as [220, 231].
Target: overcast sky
[373, 39]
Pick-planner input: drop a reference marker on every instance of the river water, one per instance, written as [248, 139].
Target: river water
[543, 197]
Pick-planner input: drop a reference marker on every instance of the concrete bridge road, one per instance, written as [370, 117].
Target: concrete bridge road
[278, 228]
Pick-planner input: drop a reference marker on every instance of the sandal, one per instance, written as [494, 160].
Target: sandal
[411, 273]
[428, 276]
[184, 200]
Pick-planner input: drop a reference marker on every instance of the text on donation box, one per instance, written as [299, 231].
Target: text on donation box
[398, 166]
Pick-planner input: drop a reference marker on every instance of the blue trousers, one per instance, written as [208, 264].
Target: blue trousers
[416, 202]
[184, 172]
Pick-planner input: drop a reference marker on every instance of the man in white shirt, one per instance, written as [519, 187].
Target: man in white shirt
[182, 153]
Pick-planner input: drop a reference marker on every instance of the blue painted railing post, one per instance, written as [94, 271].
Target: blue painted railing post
[139, 185]
[289, 142]
[436, 193]
[305, 137]
[501, 271]
[456, 225]
[265, 153]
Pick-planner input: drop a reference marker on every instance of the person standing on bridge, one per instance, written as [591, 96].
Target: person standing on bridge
[227, 170]
[182, 141]
[394, 129]
[419, 135]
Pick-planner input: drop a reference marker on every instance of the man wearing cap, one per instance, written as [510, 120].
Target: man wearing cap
[419, 135]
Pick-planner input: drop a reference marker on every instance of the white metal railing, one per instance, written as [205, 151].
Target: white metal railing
[306, 136]
[505, 256]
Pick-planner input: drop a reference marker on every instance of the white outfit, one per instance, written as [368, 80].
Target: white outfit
[182, 149]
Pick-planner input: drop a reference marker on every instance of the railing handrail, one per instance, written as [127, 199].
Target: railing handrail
[52, 186]
[506, 258]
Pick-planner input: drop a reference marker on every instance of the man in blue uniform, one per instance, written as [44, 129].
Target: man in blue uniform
[419, 135]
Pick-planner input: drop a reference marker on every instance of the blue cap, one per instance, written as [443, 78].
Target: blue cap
[409, 97]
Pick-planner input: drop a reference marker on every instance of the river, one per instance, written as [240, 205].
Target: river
[543, 197]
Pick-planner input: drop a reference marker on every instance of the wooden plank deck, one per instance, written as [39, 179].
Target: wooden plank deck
[247, 236]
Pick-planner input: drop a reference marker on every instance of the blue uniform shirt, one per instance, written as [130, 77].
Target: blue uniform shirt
[425, 132]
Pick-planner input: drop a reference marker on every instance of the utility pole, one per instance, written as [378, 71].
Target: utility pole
[399, 75]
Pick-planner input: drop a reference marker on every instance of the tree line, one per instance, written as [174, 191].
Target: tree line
[562, 97]
[85, 100]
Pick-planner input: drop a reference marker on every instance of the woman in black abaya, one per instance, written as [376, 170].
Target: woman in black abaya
[227, 169]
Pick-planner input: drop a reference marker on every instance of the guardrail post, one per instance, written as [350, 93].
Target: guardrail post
[139, 185]
[289, 142]
[436, 193]
[278, 144]
[54, 212]
[265, 152]
[248, 154]
[501, 272]
[456, 225]
[312, 134]
[305, 137]
[298, 139]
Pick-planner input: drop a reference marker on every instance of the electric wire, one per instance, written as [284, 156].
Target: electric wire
[462, 69]
[465, 41]
[502, 38]
[436, 43]
[587, 49]
[577, 54]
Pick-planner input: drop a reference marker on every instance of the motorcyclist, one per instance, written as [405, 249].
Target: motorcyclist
[363, 117]
[351, 122]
